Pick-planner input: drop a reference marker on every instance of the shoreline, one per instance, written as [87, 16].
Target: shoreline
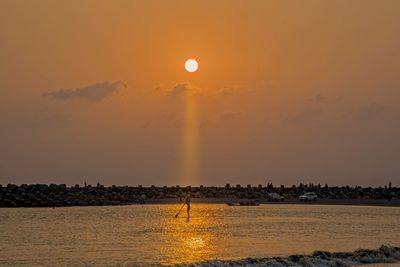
[360, 257]
[395, 203]
[43, 195]
[344, 202]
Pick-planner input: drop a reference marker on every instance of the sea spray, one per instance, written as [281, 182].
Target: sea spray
[385, 254]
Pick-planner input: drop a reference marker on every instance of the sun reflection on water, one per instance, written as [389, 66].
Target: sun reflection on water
[195, 242]
[190, 240]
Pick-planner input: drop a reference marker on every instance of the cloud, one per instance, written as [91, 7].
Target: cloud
[180, 89]
[372, 111]
[94, 92]
[310, 114]
[183, 88]
[319, 98]
[230, 115]
[225, 91]
[222, 118]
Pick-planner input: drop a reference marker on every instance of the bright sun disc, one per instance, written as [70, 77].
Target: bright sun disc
[191, 65]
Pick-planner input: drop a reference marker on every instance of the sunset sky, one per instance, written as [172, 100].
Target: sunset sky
[286, 92]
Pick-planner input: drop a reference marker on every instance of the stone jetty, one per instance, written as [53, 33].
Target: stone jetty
[58, 195]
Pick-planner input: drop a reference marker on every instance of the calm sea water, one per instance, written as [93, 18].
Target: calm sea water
[151, 235]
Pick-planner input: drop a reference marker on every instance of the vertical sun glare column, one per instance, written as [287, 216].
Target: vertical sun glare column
[190, 141]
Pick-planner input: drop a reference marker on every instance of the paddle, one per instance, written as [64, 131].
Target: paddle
[176, 216]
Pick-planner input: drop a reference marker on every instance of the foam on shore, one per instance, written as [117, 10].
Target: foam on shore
[385, 254]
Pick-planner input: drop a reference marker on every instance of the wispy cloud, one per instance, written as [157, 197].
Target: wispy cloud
[180, 89]
[224, 117]
[307, 115]
[225, 91]
[230, 115]
[372, 111]
[94, 92]
[319, 98]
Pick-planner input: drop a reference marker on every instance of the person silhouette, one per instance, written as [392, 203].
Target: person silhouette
[187, 202]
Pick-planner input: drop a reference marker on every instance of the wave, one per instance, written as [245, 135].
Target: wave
[385, 254]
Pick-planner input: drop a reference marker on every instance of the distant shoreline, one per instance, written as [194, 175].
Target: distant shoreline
[328, 202]
[348, 202]
[43, 195]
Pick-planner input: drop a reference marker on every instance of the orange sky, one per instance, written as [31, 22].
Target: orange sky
[287, 92]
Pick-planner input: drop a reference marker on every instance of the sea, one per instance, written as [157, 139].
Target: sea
[214, 235]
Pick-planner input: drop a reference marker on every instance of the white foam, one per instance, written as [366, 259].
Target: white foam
[385, 254]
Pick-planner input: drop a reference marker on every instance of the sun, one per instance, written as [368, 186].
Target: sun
[191, 65]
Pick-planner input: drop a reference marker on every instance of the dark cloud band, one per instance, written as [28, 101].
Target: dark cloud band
[94, 92]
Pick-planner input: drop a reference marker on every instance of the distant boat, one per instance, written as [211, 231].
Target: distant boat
[247, 203]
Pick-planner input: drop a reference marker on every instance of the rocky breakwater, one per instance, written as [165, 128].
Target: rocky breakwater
[42, 195]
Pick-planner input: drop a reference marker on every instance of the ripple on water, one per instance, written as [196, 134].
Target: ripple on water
[150, 234]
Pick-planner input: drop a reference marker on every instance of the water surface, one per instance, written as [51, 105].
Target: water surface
[151, 235]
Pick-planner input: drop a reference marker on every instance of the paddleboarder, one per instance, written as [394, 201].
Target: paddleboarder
[187, 202]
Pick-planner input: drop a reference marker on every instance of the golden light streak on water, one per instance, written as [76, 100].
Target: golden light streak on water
[188, 240]
[190, 157]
